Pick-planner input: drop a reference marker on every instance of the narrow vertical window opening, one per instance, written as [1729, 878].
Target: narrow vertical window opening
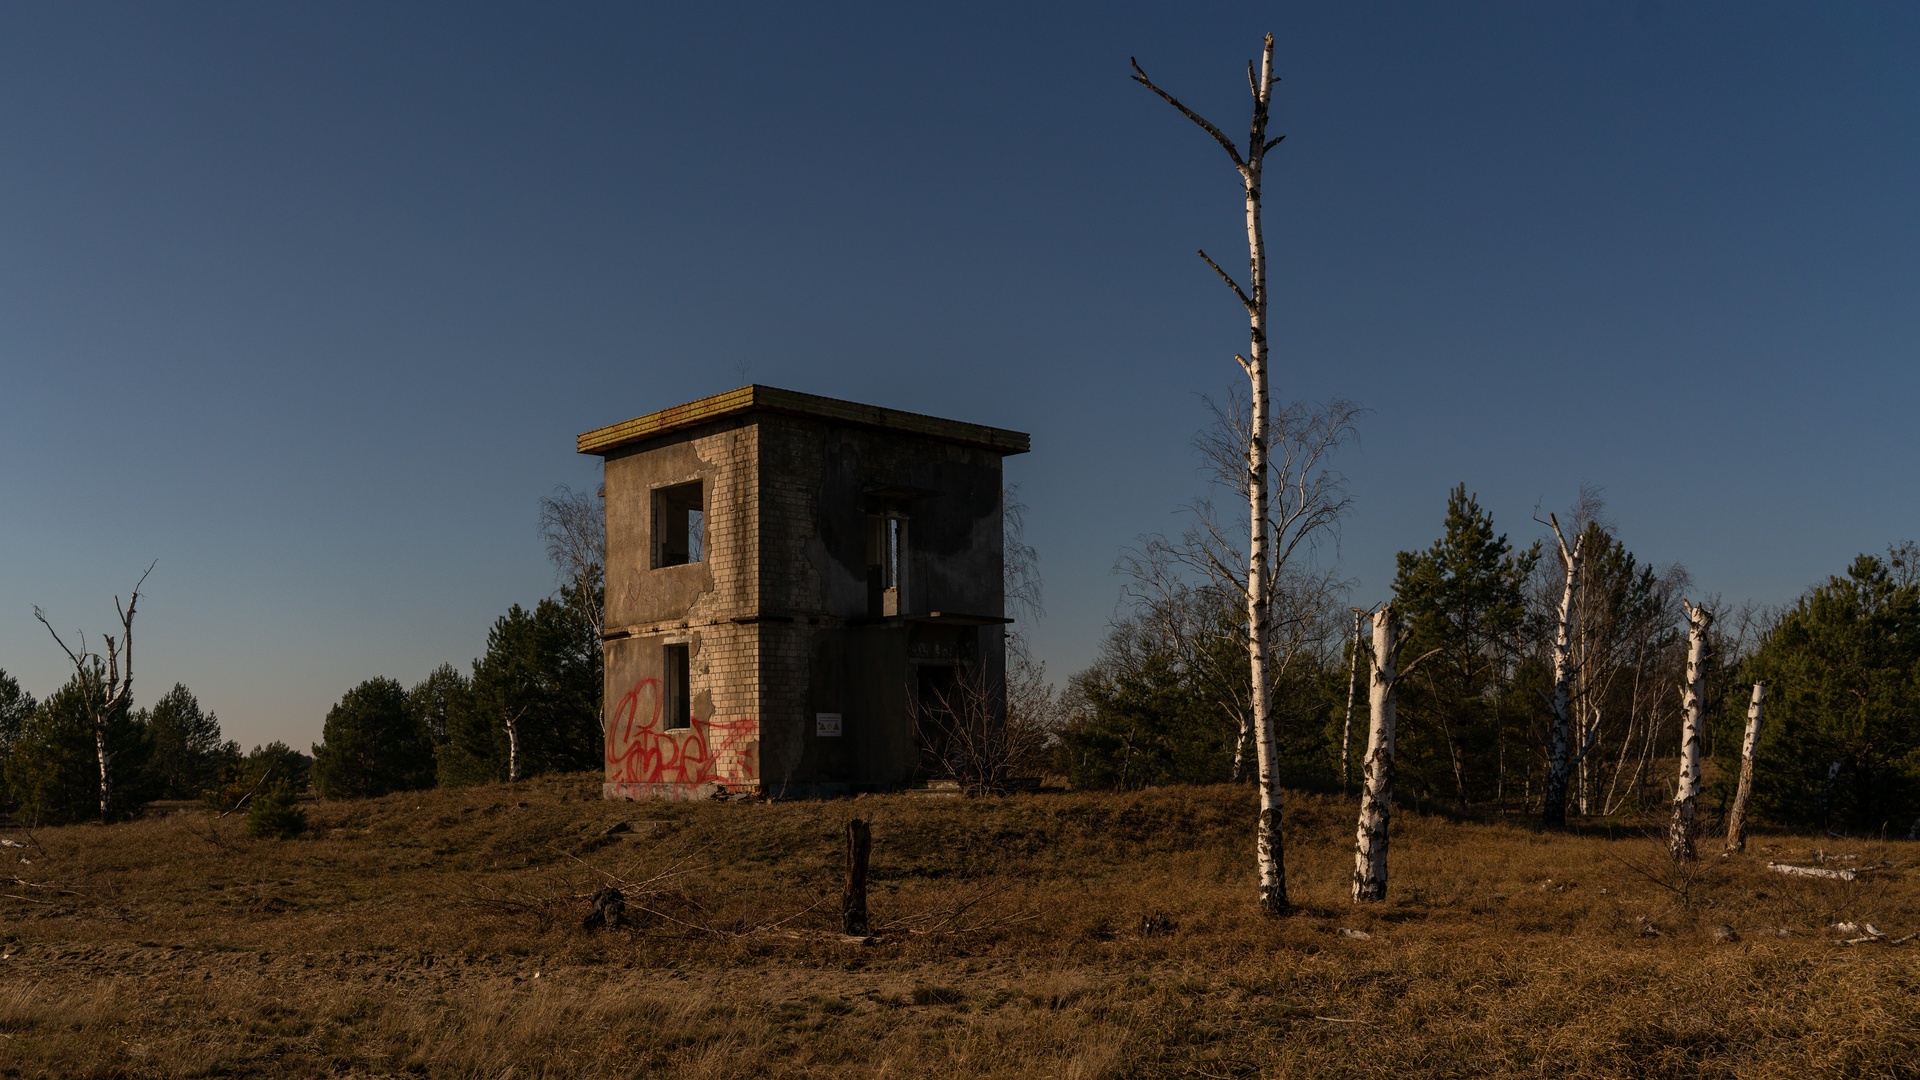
[678, 695]
[894, 567]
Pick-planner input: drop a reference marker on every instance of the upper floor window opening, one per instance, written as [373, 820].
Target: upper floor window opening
[679, 525]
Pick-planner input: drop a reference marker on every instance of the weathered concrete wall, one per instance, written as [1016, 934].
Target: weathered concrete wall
[692, 604]
[778, 616]
[818, 486]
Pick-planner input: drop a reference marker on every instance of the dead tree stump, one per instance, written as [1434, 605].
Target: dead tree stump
[609, 908]
[853, 901]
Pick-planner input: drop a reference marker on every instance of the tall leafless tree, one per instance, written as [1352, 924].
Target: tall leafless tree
[1205, 580]
[1270, 844]
[104, 693]
[574, 526]
[1036, 709]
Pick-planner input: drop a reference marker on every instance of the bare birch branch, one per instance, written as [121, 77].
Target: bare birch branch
[1140, 76]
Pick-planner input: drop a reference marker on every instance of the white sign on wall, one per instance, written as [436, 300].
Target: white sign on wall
[826, 723]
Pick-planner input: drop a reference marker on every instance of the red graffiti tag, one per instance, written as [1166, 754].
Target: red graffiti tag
[640, 751]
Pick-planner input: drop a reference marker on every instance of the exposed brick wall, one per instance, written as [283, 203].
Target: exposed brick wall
[693, 604]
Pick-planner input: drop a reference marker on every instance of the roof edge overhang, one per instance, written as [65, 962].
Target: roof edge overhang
[758, 398]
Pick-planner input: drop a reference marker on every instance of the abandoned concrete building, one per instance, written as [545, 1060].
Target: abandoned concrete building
[790, 580]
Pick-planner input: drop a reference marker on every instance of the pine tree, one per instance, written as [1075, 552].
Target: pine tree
[188, 754]
[372, 744]
[1464, 596]
[1842, 668]
[541, 672]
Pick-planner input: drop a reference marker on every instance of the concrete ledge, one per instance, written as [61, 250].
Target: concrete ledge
[793, 403]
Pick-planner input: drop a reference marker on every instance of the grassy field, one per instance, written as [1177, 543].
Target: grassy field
[1058, 935]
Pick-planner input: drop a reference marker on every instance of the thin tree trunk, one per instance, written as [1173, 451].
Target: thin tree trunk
[1826, 795]
[1737, 820]
[1271, 843]
[512, 723]
[1553, 814]
[1353, 681]
[1633, 721]
[1270, 848]
[1376, 794]
[106, 767]
[1240, 746]
[1687, 794]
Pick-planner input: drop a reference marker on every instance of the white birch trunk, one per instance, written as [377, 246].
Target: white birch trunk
[1376, 793]
[1240, 746]
[1270, 848]
[513, 745]
[1553, 812]
[1271, 843]
[106, 769]
[1737, 820]
[1686, 796]
[1353, 679]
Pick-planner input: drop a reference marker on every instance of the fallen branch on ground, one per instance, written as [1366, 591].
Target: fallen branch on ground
[1815, 871]
[948, 919]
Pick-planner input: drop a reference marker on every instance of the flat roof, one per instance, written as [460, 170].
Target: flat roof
[758, 398]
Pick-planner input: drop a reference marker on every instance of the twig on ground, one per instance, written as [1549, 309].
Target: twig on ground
[942, 920]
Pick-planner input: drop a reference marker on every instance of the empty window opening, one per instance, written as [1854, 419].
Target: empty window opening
[886, 565]
[678, 688]
[679, 525]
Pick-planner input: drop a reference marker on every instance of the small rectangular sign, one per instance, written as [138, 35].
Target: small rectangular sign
[826, 723]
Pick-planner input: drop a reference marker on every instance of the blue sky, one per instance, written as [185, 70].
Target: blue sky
[308, 303]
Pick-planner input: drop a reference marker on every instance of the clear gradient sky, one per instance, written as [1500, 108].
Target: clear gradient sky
[308, 302]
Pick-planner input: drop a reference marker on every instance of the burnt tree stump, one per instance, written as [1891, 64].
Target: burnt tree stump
[853, 901]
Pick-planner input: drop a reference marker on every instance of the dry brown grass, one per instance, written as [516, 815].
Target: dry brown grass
[438, 934]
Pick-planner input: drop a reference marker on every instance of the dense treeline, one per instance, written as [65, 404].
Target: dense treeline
[530, 705]
[540, 674]
[49, 771]
[541, 668]
[1165, 699]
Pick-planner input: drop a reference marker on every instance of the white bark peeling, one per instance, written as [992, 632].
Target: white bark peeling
[1737, 819]
[1686, 796]
[1376, 794]
[1554, 812]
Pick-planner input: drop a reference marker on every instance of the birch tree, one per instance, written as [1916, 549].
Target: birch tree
[511, 721]
[108, 696]
[1353, 680]
[1270, 846]
[1376, 794]
[1737, 819]
[1625, 658]
[574, 526]
[1554, 810]
[1686, 796]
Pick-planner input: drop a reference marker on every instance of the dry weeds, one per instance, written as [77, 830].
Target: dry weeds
[438, 934]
